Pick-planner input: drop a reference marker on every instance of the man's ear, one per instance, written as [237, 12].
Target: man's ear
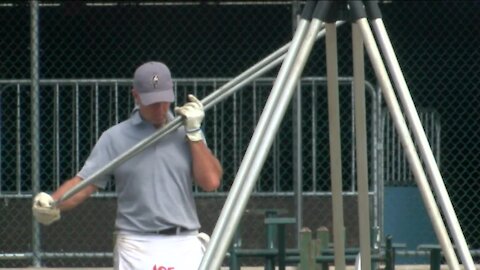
[135, 96]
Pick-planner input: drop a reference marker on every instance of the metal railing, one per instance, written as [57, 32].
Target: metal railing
[74, 112]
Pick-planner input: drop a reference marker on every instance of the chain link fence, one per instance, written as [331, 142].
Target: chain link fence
[89, 50]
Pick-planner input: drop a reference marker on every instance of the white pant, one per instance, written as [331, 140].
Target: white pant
[157, 252]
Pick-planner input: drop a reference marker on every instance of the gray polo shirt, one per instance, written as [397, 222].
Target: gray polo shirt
[154, 188]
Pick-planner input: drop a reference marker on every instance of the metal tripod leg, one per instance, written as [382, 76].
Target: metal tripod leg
[406, 139]
[361, 148]
[419, 133]
[335, 147]
[262, 138]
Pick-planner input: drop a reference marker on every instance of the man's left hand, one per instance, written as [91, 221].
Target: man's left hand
[193, 114]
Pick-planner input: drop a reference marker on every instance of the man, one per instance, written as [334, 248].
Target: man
[156, 224]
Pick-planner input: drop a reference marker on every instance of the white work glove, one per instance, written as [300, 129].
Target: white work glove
[204, 239]
[193, 114]
[44, 210]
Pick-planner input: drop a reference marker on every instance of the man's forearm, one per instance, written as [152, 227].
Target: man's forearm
[75, 199]
[207, 170]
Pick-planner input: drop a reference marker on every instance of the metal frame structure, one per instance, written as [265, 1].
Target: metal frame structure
[314, 14]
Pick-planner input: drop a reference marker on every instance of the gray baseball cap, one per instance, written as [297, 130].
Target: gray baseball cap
[153, 83]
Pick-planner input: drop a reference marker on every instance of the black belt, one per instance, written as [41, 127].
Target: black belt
[171, 231]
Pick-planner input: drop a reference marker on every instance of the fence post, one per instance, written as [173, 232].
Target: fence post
[389, 254]
[236, 243]
[435, 258]
[306, 249]
[35, 130]
[270, 235]
[322, 239]
[435, 255]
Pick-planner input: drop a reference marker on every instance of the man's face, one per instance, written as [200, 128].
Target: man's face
[155, 113]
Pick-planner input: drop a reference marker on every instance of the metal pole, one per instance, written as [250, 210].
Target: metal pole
[215, 97]
[361, 147]
[297, 126]
[404, 135]
[376, 149]
[424, 147]
[35, 115]
[381, 165]
[298, 161]
[335, 146]
[261, 140]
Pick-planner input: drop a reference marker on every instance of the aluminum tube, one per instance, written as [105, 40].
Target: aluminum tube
[176, 123]
[215, 97]
[335, 146]
[408, 145]
[258, 156]
[238, 196]
[361, 147]
[424, 147]
[277, 55]
[173, 125]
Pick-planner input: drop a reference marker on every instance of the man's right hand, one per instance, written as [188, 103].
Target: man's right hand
[44, 210]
